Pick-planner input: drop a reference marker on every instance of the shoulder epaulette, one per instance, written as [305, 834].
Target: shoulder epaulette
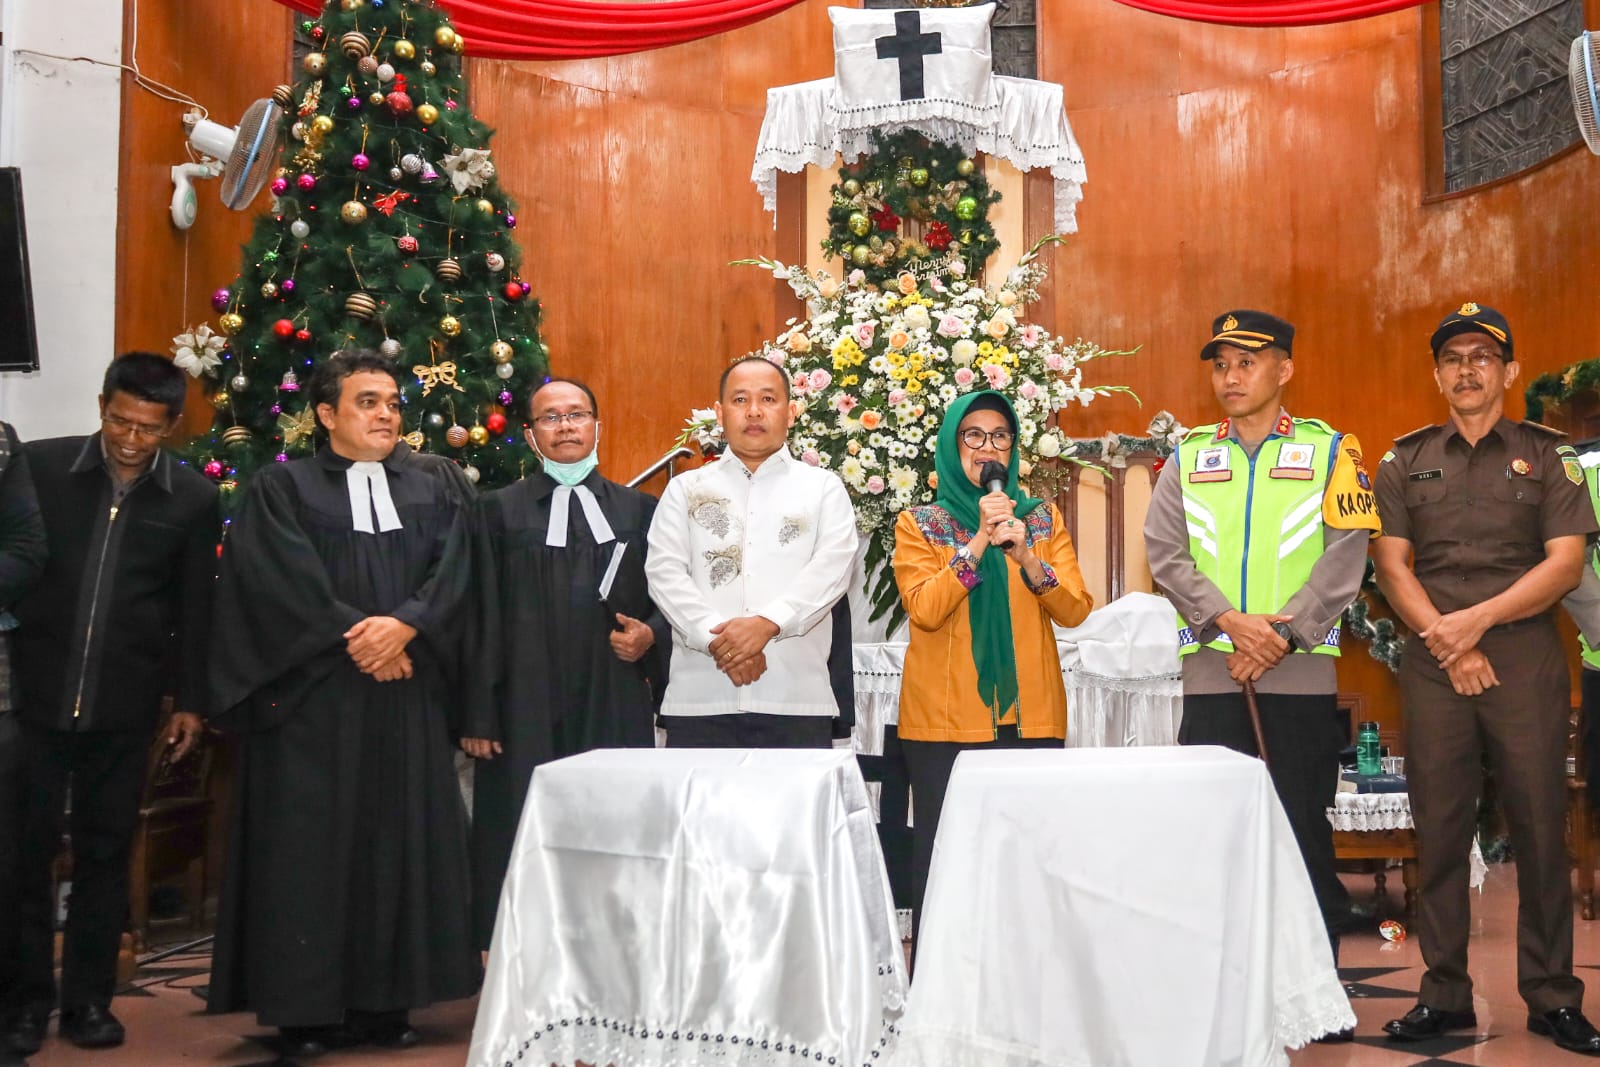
[1551, 430]
[1418, 432]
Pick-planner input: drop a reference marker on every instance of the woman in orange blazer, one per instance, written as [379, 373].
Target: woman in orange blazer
[982, 576]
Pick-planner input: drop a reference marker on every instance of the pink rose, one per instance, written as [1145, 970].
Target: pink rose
[896, 397]
[1054, 361]
[875, 484]
[865, 331]
[775, 357]
[1028, 390]
[952, 326]
[800, 383]
[810, 456]
[844, 403]
[820, 379]
[964, 376]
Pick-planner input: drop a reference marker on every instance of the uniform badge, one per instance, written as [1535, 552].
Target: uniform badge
[1387, 456]
[1574, 469]
[1229, 323]
[1469, 308]
[1294, 460]
[1362, 480]
[1521, 466]
[1211, 465]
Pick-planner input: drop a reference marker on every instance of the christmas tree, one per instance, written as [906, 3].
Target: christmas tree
[388, 231]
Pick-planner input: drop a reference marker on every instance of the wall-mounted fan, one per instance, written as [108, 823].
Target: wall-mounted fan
[1583, 67]
[241, 156]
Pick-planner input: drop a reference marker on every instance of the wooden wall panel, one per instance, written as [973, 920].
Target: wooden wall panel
[165, 277]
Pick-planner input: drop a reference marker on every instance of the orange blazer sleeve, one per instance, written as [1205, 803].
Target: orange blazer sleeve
[1069, 602]
[928, 585]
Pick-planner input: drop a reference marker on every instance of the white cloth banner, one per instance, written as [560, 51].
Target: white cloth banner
[683, 907]
[1027, 127]
[1117, 920]
[891, 66]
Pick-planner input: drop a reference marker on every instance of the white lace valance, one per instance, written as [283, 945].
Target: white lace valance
[1026, 126]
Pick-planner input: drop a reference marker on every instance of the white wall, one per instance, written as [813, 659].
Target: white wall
[59, 122]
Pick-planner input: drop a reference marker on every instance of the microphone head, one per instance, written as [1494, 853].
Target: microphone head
[993, 475]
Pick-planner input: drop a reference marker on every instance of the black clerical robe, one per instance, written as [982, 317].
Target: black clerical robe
[547, 683]
[347, 875]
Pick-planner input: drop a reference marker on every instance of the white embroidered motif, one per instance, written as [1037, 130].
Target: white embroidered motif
[711, 512]
[793, 526]
[726, 563]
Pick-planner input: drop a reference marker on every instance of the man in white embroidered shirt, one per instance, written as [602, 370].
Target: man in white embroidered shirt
[747, 557]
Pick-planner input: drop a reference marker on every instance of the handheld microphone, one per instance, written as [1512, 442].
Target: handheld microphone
[993, 477]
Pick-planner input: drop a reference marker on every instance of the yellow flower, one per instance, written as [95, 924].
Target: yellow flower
[986, 348]
[913, 385]
[898, 373]
[896, 359]
[849, 380]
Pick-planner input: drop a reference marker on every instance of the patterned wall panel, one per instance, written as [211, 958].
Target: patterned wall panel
[1503, 92]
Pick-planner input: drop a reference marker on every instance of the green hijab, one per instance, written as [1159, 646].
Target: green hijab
[989, 603]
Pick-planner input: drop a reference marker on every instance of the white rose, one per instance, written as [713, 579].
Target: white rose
[1048, 445]
[963, 352]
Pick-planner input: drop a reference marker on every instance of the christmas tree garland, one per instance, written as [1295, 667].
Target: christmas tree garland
[1559, 388]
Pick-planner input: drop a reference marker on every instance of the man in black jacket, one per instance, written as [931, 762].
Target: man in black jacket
[22, 554]
[120, 613]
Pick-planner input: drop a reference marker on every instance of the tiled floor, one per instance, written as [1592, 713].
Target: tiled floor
[165, 1025]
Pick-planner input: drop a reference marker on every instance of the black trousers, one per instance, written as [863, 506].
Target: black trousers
[748, 731]
[10, 840]
[1591, 732]
[1304, 738]
[106, 771]
[929, 764]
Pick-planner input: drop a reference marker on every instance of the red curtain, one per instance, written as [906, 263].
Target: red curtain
[1271, 12]
[575, 29]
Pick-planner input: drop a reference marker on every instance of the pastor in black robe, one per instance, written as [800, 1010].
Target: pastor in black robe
[546, 683]
[347, 877]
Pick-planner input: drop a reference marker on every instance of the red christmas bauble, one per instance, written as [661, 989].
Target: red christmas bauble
[302, 335]
[407, 243]
[399, 103]
[283, 328]
[513, 290]
[495, 422]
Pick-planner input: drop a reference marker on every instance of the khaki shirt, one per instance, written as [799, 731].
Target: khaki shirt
[1478, 516]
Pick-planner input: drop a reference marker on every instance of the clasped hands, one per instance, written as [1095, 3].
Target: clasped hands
[1453, 641]
[1257, 647]
[377, 645]
[739, 647]
[997, 521]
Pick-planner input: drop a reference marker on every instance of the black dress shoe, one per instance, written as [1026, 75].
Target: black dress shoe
[25, 1029]
[1338, 1037]
[1568, 1029]
[91, 1026]
[309, 1042]
[385, 1029]
[1423, 1022]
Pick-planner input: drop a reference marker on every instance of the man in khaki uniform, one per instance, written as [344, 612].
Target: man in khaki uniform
[1484, 527]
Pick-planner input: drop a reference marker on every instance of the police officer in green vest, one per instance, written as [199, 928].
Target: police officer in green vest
[1583, 604]
[1257, 532]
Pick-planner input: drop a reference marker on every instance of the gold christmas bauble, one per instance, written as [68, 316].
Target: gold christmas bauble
[322, 124]
[315, 64]
[851, 187]
[375, 99]
[234, 436]
[456, 436]
[219, 400]
[355, 44]
[269, 289]
[231, 323]
[859, 223]
[360, 305]
[448, 271]
[478, 436]
[859, 254]
[485, 207]
[427, 114]
[450, 326]
[405, 50]
[919, 175]
[349, 5]
[458, 45]
[444, 36]
[283, 96]
[353, 212]
[501, 351]
[965, 168]
[428, 68]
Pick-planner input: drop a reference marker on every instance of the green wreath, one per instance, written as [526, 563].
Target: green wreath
[910, 203]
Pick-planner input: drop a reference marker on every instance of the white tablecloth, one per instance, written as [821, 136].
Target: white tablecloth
[682, 907]
[1105, 907]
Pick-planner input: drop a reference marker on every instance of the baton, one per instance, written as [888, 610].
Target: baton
[1255, 720]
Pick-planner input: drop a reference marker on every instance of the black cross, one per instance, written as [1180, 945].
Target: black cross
[908, 45]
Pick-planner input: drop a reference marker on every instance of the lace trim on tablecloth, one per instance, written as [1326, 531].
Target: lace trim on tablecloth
[598, 1040]
[1321, 1007]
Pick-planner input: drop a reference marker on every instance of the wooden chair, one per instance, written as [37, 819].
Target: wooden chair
[171, 838]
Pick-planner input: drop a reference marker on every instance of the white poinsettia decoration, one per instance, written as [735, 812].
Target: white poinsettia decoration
[469, 169]
[1166, 428]
[199, 351]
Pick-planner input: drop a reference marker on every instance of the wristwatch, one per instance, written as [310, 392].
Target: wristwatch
[1282, 630]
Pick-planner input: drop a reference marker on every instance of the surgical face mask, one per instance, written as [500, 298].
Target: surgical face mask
[574, 473]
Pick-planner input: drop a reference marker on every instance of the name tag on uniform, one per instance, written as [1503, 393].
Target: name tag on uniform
[1426, 476]
[1294, 461]
[1211, 465]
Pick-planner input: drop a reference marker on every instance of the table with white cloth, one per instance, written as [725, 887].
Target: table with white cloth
[682, 907]
[1104, 907]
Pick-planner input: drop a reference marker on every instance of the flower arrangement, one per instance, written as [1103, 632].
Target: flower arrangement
[872, 370]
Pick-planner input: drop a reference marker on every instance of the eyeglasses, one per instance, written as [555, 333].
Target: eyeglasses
[1478, 357]
[976, 438]
[136, 429]
[577, 419]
